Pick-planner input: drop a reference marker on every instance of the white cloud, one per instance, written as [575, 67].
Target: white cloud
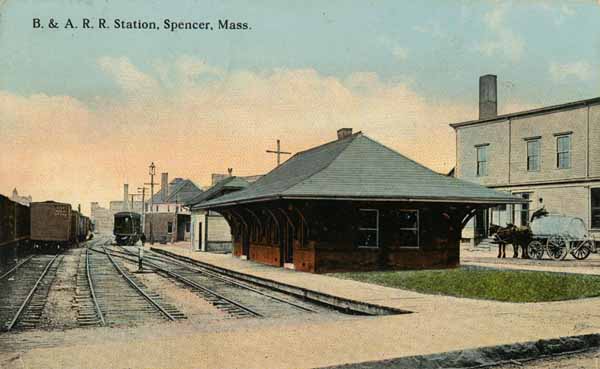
[504, 41]
[127, 76]
[398, 52]
[581, 70]
[192, 126]
[559, 13]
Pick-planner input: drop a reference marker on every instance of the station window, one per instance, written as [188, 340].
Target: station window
[170, 227]
[407, 231]
[563, 152]
[533, 155]
[482, 160]
[595, 206]
[368, 228]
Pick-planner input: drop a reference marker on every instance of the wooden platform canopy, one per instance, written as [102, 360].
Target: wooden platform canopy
[353, 204]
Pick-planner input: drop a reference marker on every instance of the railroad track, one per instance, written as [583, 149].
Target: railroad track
[110, 295]
[23, 293]
[237, 298]
[17, 266]
[89, 312]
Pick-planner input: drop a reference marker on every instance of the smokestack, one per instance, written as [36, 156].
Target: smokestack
[125, 197]
[488, 97]
[343, 133]
[164, 186]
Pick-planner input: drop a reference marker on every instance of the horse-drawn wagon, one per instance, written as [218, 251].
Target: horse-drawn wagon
[559, 236]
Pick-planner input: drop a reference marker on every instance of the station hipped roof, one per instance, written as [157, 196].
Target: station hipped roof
[180, 191]
[359, 168]
[226, 185]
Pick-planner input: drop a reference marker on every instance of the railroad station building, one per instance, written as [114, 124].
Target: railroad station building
[210, 230]
[166, 218]
[353, 204]
[549, 156]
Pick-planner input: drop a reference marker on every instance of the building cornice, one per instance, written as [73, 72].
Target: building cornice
[544, 110]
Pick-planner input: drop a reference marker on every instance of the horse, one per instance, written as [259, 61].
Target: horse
[516, 236]
[511, 234]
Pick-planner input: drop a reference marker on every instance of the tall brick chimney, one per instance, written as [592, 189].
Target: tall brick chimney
[125, 197]
[488, 97]
[164, 186]
[343, 133]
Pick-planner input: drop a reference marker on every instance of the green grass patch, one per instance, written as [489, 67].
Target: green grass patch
[483, 283]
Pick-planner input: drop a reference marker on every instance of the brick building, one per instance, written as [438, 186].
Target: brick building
[210, 231]
[102, 218]
[549, 156]
[353, 204]
[166, 218]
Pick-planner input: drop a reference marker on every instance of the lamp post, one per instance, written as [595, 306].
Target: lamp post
[151, 172]
[142, 191]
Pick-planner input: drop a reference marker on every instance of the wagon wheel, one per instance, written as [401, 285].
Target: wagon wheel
[557, 247]
[535, 249]
[583, 250]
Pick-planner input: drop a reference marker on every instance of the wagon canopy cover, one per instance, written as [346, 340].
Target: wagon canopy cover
[559, 224]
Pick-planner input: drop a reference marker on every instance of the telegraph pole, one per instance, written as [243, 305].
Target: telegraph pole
[132, 208]
[143, 189]
[152, 172]
[279, 153]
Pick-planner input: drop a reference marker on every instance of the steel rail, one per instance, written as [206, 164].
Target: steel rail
[91, 285]
[30, 295]
[195, 285]
[205, 271]
[15, 267]
[138, 288]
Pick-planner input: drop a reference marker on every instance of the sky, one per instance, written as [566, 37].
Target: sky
[83, 111]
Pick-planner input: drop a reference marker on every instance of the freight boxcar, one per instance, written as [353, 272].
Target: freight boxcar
[14, 231]
[51, 225]
[14, 221]
[128, 228]
[75, 224]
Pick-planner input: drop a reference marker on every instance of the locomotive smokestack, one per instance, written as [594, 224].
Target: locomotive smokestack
[164, 186]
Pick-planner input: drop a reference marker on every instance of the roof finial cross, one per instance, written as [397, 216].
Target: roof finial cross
[279, 152]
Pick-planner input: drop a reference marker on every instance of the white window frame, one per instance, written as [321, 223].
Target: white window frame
[376, 229]
[538, 154]
[570, 151]
[486, 161]
[418, 245]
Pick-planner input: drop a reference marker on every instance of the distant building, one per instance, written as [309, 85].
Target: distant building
[167, 220]
[210, 231]
[102, 218]
[23, 200]
[549, 156]
[127, 204]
